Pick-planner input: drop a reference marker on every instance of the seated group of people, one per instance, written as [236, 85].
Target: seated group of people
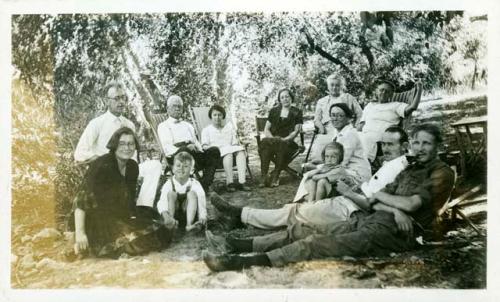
[339, 209]
[108, 218]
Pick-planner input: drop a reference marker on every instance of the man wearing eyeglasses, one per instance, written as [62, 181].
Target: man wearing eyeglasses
[95, 137]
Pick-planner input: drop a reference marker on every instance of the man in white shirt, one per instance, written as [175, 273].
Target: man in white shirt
[325, 211]
[176, 135]
[382, 113]
[95, 137]
[336, 94]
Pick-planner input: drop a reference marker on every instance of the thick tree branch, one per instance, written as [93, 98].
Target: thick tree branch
[479, 18]
[325, 54]
[365, 49]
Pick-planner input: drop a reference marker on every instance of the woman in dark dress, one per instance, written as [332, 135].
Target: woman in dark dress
[105, 214]
[283, 125]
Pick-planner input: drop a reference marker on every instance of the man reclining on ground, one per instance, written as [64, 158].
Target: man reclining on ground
[414, 198]
[394, 145]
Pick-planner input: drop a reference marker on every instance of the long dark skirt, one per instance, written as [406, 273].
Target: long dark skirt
[111, 232]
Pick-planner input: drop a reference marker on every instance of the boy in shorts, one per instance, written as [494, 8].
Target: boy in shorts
[183, 195]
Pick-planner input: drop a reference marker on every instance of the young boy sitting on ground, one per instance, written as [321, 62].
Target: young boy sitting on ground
[183, 195]
[315, 184]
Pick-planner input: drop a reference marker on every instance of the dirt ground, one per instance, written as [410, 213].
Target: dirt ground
[38, 262]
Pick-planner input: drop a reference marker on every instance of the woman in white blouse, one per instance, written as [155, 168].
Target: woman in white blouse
[223, 136]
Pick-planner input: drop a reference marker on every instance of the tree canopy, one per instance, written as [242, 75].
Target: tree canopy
[239, 60]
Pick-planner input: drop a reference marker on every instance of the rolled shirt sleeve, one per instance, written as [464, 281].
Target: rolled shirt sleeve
[205, 136]
[166, 139]
[96, 135]
[320, 108]
[85, 147]
[162, 205]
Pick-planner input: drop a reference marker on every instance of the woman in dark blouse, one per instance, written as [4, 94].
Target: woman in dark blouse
[282, 126]
[105, 214]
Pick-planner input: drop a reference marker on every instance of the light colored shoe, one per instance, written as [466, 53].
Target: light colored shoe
[195, 227]
[275, 183]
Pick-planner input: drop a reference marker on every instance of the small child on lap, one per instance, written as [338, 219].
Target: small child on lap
[316, 181]
[182, 194]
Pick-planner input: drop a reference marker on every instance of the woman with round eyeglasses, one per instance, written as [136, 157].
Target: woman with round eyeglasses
[106, 219]
[355, 168]
[283, 125]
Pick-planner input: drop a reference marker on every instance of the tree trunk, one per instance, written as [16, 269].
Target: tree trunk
[473, 85]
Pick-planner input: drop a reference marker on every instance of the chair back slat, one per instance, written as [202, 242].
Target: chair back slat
[157, 119]
[260, 123]
[404, 97]
[200, 119]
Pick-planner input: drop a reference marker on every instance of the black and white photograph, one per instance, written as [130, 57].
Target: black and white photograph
[243, 148]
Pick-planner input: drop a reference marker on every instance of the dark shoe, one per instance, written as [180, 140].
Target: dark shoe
[219, 263]
[265, 183]
[217, 244]
[231, 187]
[240, 245]
[223, 206]
[225, 262]
[244, 187]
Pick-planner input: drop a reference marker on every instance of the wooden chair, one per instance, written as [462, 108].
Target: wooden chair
[200, 119]
[405, 97]
[260, 123]
[155, 119]
[455, 206]
[433, 238]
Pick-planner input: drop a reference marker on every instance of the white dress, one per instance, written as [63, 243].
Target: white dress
[224, 139]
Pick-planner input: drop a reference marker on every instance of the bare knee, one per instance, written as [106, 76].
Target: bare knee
[324, 184]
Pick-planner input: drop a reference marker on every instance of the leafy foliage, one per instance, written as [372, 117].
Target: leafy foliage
[239, 60]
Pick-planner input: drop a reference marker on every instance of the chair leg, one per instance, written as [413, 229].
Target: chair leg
[249, 172]
[469, 222]
[310, 147]
[293, 172]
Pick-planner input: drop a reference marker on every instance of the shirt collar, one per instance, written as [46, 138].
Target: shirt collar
[331, 97]
[428, 164]
[346, 128]
[174, 120]
[178, 184]
[113, 117]
[402, 159]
